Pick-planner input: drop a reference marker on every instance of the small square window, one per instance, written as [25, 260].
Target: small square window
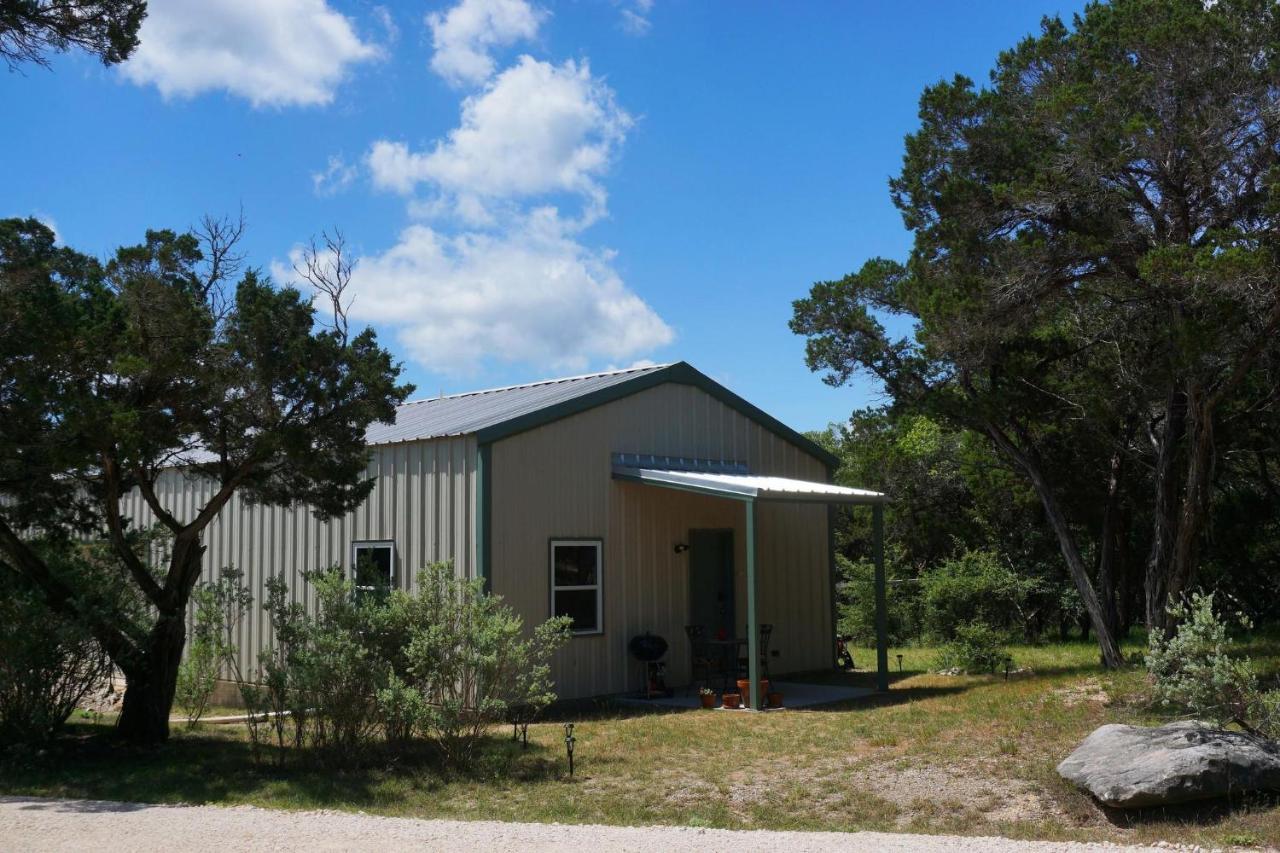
[575, 583]
[373, 567]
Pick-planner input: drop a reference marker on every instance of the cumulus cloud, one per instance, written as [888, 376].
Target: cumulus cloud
[537, 128]
[530, 293]
[335, 177]
[494, 267]
[464, 38]
[281, 53]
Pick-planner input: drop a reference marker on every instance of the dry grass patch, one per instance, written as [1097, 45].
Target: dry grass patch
[955, 754]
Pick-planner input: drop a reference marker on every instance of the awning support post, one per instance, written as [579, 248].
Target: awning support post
[882, 607]
[753, 628]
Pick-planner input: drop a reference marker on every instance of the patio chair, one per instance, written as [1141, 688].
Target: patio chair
[699, 655]
[744, 663]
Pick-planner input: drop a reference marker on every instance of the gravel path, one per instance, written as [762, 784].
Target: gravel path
[30, 823]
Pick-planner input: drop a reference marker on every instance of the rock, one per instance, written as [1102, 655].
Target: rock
[1134, 766]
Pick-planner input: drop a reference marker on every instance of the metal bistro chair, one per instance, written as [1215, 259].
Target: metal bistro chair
[699, 655]
[744, 663]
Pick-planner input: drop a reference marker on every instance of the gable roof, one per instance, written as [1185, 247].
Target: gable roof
[473, 411]
[499, 412]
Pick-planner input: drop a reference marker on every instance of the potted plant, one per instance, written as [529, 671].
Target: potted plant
[708, 697]
[775, 699]
[744, 686]
[732, 700]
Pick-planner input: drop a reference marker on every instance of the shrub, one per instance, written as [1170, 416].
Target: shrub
[469, 660]
[856, 603]
[1192, 669]
[976, 647]
[446, 663]
[218, 608]
[977, 586]
[47, 666]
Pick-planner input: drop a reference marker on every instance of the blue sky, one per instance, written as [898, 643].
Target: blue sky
[531, 188]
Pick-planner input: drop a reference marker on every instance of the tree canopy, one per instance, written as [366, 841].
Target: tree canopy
[1093, 278]
[106, 28]
[169, 355]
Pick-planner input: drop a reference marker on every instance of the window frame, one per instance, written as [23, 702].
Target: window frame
[596, 542]
[369, 544]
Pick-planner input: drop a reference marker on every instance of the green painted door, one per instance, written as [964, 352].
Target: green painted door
[711, 581]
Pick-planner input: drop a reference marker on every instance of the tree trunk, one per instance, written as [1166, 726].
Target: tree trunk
[1108, 588]
[151, 682]
[1164, 511]
[152, 678]
[1110, 652]
[1197, 494]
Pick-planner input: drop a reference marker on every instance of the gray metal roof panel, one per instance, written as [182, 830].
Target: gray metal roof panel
[462, 414]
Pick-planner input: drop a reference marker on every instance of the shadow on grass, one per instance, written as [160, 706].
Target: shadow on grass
[1205, 813]
[200, 768]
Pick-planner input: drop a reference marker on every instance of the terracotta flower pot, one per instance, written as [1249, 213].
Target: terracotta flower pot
[732, 700]
[708, 700]
[744, 687]
[775, 699]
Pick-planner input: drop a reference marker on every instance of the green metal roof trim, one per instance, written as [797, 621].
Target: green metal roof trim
[681, 372]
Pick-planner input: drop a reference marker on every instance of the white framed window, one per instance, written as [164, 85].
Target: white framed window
[373, 566]
[576, 568]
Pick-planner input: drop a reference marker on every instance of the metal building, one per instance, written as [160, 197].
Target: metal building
[634, 501]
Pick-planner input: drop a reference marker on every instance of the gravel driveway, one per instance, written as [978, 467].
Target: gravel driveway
[30, 823]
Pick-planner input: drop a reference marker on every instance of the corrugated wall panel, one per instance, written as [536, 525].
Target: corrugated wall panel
[555, 481]
[423, 500]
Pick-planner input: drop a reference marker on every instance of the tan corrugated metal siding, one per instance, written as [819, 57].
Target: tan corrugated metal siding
[424, 500]
[555, 481]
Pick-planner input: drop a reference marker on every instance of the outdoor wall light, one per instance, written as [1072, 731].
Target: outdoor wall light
[681, 547]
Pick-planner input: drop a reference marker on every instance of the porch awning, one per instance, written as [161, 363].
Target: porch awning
[750, 487]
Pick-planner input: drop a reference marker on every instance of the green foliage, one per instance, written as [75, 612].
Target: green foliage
[445, 664]
[48, 665]
[1095, 238]
[1192, 669]
[974, 648]
[110, 374]
[468, 659]
[218, 609]
[106, 28]
[977, 587]
[856, 603]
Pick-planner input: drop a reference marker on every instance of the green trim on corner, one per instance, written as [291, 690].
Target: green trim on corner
[681, 372]
[484, 515]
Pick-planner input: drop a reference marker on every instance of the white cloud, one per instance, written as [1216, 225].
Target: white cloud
[536, 129]
[492, 270]
[387, 21]
[528, 294]
[635, 16]
[277, 53]
[336, 176]
[465, 37]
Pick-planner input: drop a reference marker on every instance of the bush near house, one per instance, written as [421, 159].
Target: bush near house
[48, 665]
[441, 665]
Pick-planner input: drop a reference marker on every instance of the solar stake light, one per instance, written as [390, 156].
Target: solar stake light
[569, 740]
[899, 663]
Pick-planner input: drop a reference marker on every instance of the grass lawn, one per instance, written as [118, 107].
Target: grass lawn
[938, 754]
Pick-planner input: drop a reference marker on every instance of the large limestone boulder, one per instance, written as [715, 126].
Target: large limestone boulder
[1134, 766]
